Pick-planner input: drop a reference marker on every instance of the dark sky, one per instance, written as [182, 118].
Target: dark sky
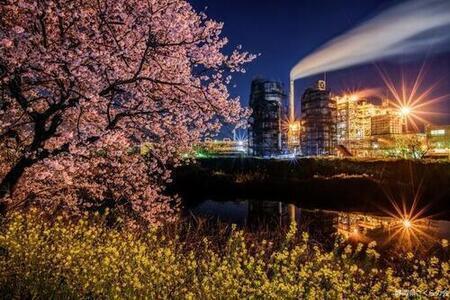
[284, 31]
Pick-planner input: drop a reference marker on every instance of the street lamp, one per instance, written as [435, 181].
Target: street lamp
[405, 111]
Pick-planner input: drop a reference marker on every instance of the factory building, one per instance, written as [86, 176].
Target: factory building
[387, 121]
[293, 136]
[438, 140]
[318, 121]
[264, 134]
[364, 128]
[353, 125]
[358, 119]
[387, 124]
[347, 125]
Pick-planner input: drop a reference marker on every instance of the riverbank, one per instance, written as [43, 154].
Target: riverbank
[367, 185]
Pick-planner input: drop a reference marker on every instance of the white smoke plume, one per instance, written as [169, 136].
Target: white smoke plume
[411, 27]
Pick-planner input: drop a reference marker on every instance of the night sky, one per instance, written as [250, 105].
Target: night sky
[284, 31]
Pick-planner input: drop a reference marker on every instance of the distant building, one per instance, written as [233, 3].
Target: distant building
[386, 124]
[438, 140]
[387, 132]
[225, 147]
[265, 121]
[353, 120]
[318, 121]
[366, 129]
[293, 135]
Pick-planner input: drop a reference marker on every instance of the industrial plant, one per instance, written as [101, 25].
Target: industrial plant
[348, 125]
[318, 121]
[265, 131]
[341, 125]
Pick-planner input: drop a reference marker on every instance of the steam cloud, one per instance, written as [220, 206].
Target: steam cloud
[409, 27]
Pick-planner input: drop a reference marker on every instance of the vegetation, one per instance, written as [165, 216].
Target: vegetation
[409, 147]
[90, 257]
[98, 101]
[83, 82]
[391, 169]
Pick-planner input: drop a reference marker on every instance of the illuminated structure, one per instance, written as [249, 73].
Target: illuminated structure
[438, 140]
[354, 121]
[318, 121]
[225, 147]
[387, 121]
[293, 135]
[291, 101]
[265, 121]
[347, 125]
[364, 128]
[387, 124]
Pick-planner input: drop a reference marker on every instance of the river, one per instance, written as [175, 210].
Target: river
[387, 229]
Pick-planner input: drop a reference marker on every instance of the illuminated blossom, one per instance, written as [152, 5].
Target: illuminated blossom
[7, 43]
[88, 82]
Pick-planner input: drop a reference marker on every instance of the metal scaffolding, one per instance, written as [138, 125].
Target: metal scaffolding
[318, 121]
[265, 121]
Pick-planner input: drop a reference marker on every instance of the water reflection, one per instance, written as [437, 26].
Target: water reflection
[357, 226]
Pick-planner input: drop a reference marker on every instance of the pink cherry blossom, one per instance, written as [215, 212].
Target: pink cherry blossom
[85, 84]
[18, 29]
[7, 43]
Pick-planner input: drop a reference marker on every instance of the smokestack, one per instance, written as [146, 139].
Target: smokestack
[291, 101]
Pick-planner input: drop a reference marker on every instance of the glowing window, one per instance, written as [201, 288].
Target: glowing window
[438, 132]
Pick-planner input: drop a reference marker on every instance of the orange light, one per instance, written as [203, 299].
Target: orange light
[294, 126]
[353, 97]
[411, 99]
[406, 223]
[405, 110]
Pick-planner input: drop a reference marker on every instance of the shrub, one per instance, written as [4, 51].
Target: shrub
[86, 258]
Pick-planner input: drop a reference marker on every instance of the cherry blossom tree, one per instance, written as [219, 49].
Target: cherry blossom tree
[84, 83]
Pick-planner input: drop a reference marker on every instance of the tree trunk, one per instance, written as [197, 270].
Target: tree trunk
[10, 180]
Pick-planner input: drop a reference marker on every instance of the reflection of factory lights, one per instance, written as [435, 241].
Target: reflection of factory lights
[410, 227]
[294, 126]
[406, 223]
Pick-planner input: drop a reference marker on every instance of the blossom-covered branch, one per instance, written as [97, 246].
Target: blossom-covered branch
[85, 82]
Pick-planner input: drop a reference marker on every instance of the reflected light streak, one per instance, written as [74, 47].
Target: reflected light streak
[406, 223]
[410, 227]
